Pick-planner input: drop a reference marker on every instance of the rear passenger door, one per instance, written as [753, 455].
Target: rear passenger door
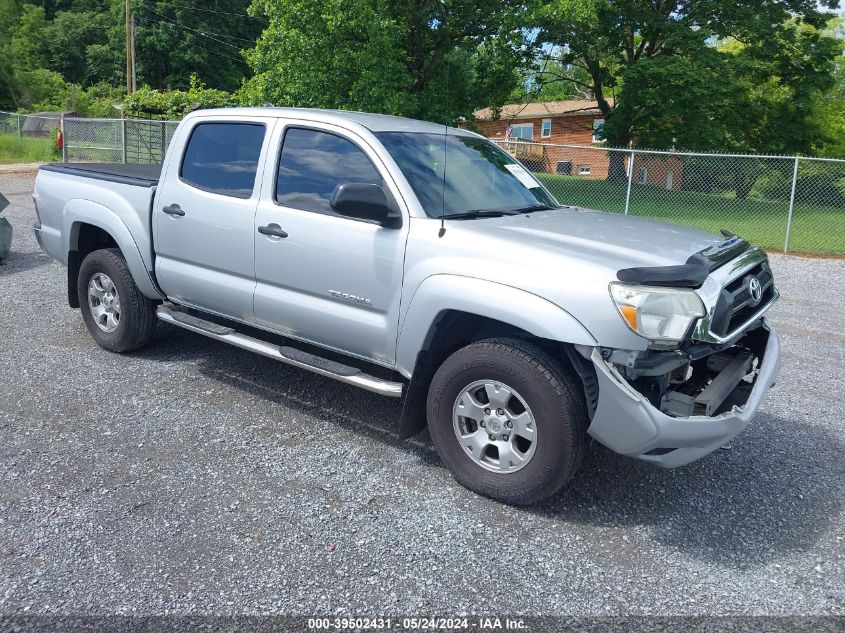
[330, 279]
[203, 215]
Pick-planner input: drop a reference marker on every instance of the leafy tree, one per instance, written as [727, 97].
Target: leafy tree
[70, 38]
[8, 84]
[175, 104]
[175, 39]
[659, 80]
[78, 47]
[41, 89]
[430, 59]
[551, 79]
[829, 113]
[84, 41]
[28, 42]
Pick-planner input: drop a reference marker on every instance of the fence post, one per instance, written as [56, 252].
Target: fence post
[630, 180]
[64, 138]
[161, 124]
[123, 138]
[791, 205]
[20, 130]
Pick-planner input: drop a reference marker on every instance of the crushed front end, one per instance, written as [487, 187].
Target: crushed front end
[676, 402]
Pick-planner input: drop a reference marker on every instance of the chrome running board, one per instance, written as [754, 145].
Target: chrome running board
[288, 355]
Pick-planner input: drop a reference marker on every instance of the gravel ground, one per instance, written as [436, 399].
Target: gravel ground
[194, 478]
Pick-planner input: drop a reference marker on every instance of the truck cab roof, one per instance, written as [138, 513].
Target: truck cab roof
[368, 120]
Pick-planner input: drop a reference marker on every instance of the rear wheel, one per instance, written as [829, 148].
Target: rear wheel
[118, 316]
[508, 420]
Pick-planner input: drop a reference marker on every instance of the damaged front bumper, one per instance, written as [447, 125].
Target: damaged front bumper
[628, 423]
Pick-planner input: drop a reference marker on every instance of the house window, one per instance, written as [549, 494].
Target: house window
[564, 167]
[584, 170]
[546, 130]
[643, 179]
[670, 181]
[598, 130]
[524, 131]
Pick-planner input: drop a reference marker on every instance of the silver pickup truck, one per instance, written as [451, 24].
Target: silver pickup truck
[424, 262]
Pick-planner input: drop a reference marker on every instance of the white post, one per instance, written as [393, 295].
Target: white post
[791, 205]
[630, 180]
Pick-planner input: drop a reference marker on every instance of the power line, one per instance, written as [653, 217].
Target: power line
[208, 34]
[203, 33]
[182, 6]
[212, 51]
[209, 50]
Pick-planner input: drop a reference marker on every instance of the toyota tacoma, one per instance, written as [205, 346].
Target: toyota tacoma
[425, 263]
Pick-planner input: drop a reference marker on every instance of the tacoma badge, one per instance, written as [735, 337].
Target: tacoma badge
[350, 297]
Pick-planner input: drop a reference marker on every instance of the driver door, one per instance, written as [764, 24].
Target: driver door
[321, 277]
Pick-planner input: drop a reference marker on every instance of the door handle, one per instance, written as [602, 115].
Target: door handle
[173, 209]
[273, 230]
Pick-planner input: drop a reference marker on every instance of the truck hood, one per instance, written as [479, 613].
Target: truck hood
[615, 240]
[567, 256]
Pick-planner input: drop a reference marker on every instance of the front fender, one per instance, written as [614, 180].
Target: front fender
[513, 306]
[79, 211]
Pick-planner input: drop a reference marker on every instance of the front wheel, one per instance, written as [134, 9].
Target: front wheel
[118, 316]
[508, 420]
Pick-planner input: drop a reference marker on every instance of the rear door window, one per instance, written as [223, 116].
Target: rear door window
[314, 163]
[223, 158]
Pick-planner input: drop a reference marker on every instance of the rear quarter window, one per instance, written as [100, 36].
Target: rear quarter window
[223, 158]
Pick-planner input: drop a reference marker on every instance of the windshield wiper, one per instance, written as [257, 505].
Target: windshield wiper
[533, 207]
[477, 213]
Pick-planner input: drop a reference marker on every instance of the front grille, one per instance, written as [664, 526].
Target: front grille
[735, 305]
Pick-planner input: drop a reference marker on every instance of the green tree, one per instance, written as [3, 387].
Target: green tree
[29, 39]
[174, 104]
[176, 39]
[659, 80]
[78, 47]
[549, 79]
[84, 41]
[8, 84]
[829, 113]
[430, 59]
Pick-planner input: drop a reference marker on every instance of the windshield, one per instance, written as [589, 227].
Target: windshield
[479, 175]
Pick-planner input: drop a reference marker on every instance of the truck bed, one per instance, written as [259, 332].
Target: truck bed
[138, 175]
[115, 197]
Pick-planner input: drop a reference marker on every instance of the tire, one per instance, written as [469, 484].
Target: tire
[134, 325]
[552, 397]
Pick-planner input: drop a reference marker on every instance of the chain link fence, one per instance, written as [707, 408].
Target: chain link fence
[88, 140]
[30, 125]
[794, 204]
[116, 140]
[781, 203]
[29, 138]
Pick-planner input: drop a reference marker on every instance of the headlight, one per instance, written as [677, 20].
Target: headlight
[658, 314]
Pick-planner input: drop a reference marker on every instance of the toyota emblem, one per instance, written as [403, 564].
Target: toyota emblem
[755, 290]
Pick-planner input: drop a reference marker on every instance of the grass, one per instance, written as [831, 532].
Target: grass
[25, 150]
[816, 229]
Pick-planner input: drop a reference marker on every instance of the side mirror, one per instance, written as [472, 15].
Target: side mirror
[364, 201]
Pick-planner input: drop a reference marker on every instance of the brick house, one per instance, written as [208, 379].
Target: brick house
[574, 122]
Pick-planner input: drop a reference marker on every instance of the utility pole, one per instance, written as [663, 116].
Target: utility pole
[130, 48]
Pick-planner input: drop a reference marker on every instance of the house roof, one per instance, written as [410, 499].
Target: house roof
[544, 109]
